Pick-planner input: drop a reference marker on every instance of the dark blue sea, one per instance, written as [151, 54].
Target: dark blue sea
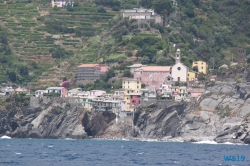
[39, 152]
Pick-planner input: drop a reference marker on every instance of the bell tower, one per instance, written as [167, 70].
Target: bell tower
[178, 56]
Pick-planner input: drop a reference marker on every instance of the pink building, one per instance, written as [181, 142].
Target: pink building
[213, 77]
[135, 99]
[96, 93]
[195, 91]
[153, 76]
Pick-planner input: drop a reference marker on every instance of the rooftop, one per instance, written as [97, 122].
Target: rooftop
[54, 88]
[154, 68]
[137, 65]
[88, 65]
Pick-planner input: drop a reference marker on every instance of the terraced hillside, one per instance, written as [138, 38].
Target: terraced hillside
[34, 29]
[41, 46]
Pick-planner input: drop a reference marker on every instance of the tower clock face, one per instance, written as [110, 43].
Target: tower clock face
[179, 68]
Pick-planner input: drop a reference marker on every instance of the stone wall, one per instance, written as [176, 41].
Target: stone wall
[160, 103]
[36, 101]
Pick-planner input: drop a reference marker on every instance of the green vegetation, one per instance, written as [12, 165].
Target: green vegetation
[35, 45]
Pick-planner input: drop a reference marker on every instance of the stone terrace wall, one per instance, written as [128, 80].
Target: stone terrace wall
[160, 103]
[36, 101]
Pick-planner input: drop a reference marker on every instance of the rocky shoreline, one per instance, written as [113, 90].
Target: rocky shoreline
[221, 115]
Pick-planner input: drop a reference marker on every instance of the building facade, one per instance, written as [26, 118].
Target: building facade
[63, 92]
[192, 76]
[91, 71]
[135, 66]
[241, 55]
[143, 15]
[104, 104]
[153, 76]
[201, 65]
[61, 3]
[135, 99]
[97, 93]
[179, 70]
[130, 85]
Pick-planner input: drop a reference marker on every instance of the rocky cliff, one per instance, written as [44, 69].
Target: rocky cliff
[53, 120]
[222, 114]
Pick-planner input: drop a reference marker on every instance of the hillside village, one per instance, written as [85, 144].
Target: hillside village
[175, 83]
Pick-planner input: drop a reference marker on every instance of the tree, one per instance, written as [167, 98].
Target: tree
[201, 76]
[195, 68]
[161, 5]
[109, 74]
[129, 53]
[127, 73]
[177, 83]
[147, 3]
[101, 10]
[65, 84]
[145, 60]
[163, 61]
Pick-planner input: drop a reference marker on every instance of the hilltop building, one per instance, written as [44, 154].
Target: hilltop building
[91, 71]
[62, 3]
[144, 15]
[201, 65]
[179, 70]
[241, 55]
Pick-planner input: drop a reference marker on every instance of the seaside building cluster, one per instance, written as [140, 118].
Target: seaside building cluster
[149, 83]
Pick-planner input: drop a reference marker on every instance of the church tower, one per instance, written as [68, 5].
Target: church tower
[178, 56]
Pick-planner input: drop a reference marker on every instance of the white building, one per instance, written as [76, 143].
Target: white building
[39, 93]
[74, 92]
[179, 70]
[142, 14]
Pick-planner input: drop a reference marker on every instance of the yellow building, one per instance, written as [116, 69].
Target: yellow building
[130, 85]
[192, 76]
[202, 66]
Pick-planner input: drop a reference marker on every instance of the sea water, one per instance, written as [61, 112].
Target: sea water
[30, 152]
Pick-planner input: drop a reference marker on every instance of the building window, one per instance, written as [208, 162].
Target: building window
[179, 68]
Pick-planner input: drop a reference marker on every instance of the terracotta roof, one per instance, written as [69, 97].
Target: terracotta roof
[88, 65]
[154, 68]
[137, 65]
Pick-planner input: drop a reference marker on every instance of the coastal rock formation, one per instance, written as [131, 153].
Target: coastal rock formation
[222, 115]
[53, 121]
